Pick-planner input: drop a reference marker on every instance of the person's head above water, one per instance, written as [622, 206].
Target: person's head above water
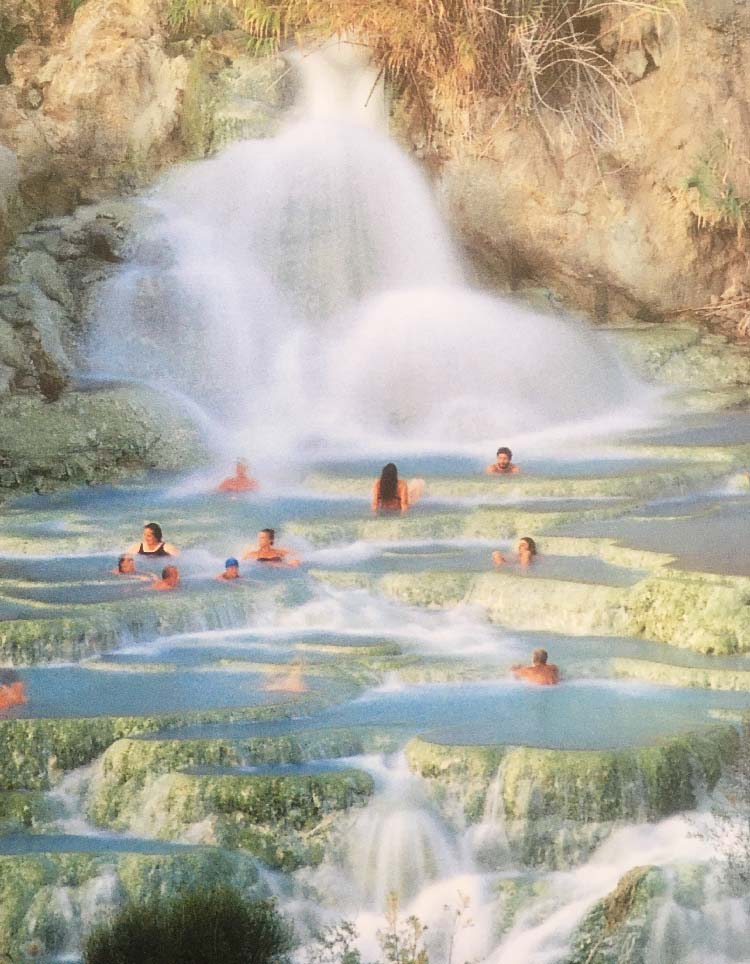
[232, 567]
[241, 468]
[152, 534]
[503, 457]
[266, 537]
[389, 482]
[152, 543]
[539, 657]
[527, 547]
[171, 574]
[126, 565]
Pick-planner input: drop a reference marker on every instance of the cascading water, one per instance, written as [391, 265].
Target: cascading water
[397, 845]
[303, 288]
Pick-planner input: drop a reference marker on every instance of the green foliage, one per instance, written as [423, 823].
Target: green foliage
[181, 13]
[11, 35]
[402, 942]
[335, 945]
[203, 926]
[720, 203]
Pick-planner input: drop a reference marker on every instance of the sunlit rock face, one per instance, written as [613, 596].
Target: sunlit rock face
[538, 207]
[101, 101]
[110, 65]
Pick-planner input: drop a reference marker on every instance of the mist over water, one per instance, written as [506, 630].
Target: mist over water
[302, 290]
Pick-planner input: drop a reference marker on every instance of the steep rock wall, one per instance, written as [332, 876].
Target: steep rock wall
[651, 221]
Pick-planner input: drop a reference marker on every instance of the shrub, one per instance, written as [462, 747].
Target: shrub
[203, 926]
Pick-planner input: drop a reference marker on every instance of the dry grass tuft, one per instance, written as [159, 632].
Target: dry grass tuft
[445, 56]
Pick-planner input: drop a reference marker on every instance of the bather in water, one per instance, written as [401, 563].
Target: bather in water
[152, 544]
[170, 579]
[540, 672]
[240, 481]
[126, 567]
[526, 554]
[503, 464]
[267, 552]
[12, 690]
[391, 494]
[231, 570]
[291, 682]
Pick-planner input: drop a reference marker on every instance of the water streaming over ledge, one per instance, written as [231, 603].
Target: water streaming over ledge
[302, 290]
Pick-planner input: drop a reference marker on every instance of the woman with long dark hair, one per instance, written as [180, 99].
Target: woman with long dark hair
[391, 494]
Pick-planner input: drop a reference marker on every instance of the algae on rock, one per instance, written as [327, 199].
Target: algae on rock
[558, 805]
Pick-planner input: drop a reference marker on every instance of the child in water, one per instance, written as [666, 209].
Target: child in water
[231, 570]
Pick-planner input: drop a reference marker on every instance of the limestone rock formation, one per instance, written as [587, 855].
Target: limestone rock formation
[97, 108]
[650, 219]
[100, 104]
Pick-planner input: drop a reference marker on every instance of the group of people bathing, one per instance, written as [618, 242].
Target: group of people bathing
[390, 494]
[153, 546]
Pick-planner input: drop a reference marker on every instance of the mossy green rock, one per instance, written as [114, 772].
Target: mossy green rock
[666, 674]
[280, 818]
[699, 611]
[617, 930]
[35, 753]
[22, 809]
[92, 436]
[83, 631]
[557, 805]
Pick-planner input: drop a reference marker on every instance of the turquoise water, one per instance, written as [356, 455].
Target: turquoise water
[216, 526]
[443, 557]
[508, 712]
[571, 466]
[706, 535]
[15, 844]
[70, 691]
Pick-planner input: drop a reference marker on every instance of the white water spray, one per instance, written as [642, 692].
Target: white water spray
[303, 288]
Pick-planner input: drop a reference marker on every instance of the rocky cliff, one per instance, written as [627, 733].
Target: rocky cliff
[648, 217]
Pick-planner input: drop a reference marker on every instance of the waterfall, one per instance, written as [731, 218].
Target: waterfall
[396, 844]
[304, 288]
[487, 840]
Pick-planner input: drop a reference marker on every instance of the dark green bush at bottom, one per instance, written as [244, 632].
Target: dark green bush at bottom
[203, 926]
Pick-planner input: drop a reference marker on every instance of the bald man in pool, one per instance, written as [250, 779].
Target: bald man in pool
[540, 672]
